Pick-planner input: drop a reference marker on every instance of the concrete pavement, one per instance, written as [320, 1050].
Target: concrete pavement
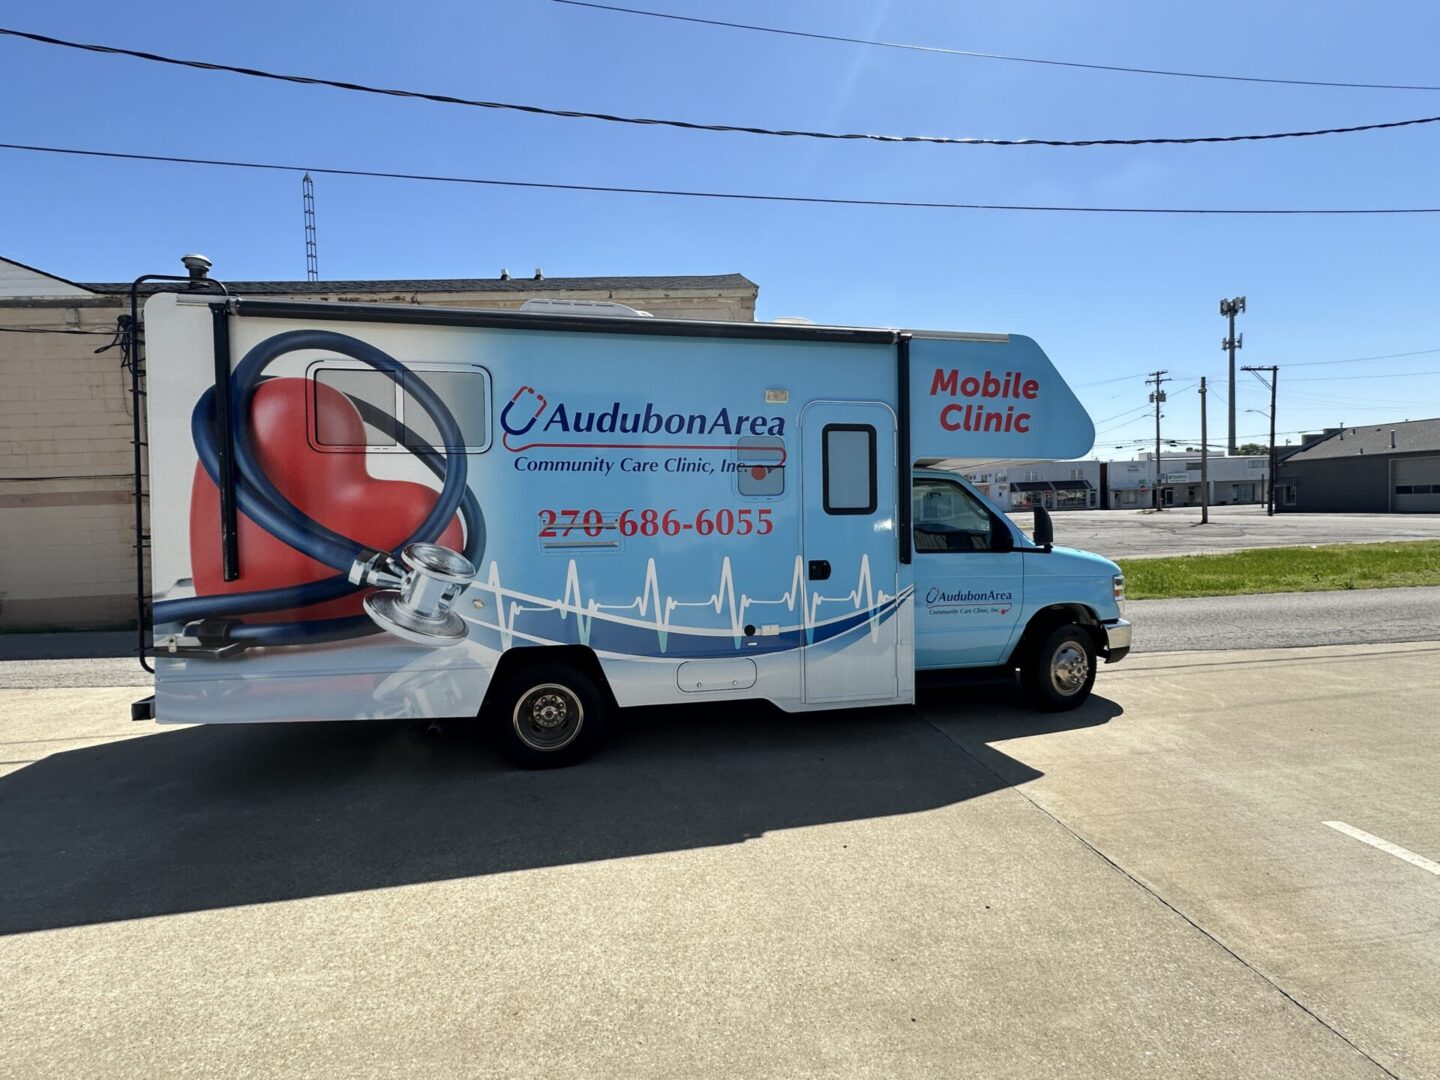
[1216, 801]
[1141, 887]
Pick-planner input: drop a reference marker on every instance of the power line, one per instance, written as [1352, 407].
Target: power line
[740, 196]
[690, 125]
[1364, 359]
[52, 330]
[1348, 378]
[1127, 412]
[1124, 69]
[1117, 378]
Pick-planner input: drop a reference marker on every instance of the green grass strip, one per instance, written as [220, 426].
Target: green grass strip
[1291, 569]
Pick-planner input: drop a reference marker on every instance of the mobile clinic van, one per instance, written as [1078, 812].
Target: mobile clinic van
[375, 511]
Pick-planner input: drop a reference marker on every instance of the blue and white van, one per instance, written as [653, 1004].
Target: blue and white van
[365, 511]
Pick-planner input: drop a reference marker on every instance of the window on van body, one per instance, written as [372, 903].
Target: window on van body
[848, 451]
[385, 404]
[371, 392]
[760, 465]
[949, 518]
[465, 391]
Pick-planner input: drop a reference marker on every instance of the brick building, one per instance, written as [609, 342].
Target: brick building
[66, 470]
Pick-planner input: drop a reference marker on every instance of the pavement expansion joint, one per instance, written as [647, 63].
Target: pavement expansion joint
[1158, 898]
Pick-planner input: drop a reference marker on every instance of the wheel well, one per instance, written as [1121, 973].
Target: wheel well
[582, 659]
[1046, 620]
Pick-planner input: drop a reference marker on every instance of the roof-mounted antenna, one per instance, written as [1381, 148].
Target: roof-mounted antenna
[312, 254]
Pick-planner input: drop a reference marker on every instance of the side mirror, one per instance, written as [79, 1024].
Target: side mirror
[1044, 528]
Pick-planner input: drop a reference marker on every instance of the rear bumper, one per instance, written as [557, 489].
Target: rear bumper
[1117, 640]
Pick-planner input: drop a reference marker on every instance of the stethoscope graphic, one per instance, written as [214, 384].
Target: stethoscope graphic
[530, 422]
[418, 583]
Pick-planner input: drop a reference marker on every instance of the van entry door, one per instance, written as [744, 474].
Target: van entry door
[850, 558]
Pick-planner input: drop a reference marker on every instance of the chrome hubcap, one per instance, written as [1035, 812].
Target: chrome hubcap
[1069, 668]
[548, 711]
[548, 717]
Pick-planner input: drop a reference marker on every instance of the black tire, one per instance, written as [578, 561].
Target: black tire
[550, 716]
[1060, 670]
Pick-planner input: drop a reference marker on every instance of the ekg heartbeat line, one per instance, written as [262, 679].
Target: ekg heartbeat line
[654, 609]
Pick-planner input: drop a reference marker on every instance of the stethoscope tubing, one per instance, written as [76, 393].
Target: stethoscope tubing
[260, 500]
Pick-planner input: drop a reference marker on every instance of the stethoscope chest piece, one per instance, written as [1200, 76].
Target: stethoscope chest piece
[420, 610]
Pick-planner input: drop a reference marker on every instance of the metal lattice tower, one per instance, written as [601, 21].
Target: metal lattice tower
[312, 255]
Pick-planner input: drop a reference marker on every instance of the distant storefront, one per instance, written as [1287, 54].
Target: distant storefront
[1232, 481]
[1054, 485]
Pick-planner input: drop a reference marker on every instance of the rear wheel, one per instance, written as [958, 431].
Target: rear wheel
[1060, 671]
[551, 715]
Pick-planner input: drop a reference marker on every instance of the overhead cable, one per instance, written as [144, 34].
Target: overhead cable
[1364, 359]
[1124, 69]
[1117, 416]
[740, 196]
[53, 330]
[689, 125]
[1348, 378]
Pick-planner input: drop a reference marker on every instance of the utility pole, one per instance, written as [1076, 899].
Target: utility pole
[1204, 460]
[1231, 308]
[1157, 396]
[1273, 383]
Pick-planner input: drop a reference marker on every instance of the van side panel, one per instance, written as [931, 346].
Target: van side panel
[636, 495]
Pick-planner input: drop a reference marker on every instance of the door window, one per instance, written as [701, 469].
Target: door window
[849, 467]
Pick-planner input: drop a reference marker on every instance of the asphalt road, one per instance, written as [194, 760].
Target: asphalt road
[1144, 887]
[1278, 620]
[1126, 534]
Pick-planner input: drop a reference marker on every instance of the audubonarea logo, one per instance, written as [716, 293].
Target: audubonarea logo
[938, 597]
[561, 422]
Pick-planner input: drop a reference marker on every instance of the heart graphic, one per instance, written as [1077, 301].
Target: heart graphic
[334, 489]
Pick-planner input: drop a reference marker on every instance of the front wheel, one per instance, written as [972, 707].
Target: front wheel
[551, 715]
[1060, 671]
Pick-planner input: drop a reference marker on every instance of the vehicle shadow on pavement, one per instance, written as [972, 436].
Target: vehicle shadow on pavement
[212, 817]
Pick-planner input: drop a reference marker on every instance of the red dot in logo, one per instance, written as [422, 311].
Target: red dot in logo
[758, 472]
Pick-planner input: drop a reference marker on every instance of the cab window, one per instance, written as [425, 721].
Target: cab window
[949, 518]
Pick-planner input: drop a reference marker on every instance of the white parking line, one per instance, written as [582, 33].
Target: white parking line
[1386, 846]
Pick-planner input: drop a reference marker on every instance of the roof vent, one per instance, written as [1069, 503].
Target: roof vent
[196, 265]
[504, 274]
[1392, 438]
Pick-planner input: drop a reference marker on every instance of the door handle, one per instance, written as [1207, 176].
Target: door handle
[819, 569]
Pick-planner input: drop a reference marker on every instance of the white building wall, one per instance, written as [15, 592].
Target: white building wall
[1233, 480]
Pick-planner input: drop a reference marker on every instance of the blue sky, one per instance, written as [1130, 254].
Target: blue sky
[1108, 297]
